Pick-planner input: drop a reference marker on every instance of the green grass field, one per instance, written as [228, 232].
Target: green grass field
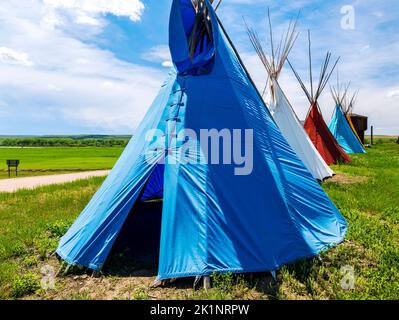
[366, 191]
[58, 159]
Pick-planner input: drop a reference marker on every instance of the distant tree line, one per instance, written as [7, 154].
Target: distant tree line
[62, 142]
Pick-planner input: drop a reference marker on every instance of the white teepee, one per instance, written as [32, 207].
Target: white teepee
[282, 111]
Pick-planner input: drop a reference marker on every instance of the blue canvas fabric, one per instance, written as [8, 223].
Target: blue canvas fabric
[179, 31]
[343, 133]
[154, 187]
[212, 219]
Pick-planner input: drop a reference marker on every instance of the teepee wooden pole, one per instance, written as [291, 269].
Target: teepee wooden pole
[207, 282]
[218, 4]
[310, 66]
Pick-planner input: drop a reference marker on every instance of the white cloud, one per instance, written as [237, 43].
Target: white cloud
[393, 93]
[78, 86]
[51, 20]
[365, 48]
[13, 57]
[159, 54]
[167, 64]
[378, 14]
[85, 19]
[129, 8]
[53, 87]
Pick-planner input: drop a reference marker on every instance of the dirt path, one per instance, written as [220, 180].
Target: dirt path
[12, 185]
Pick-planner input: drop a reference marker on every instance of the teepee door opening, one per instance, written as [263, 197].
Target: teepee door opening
[139, 238]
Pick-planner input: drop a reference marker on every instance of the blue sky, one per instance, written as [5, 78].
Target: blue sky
[94, 66]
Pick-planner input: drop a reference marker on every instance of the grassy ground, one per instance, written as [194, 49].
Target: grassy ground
[381, 139]
[366, 191]
[40, 161]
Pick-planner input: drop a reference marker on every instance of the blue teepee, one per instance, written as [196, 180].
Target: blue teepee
[343, 133]
[215, 217]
